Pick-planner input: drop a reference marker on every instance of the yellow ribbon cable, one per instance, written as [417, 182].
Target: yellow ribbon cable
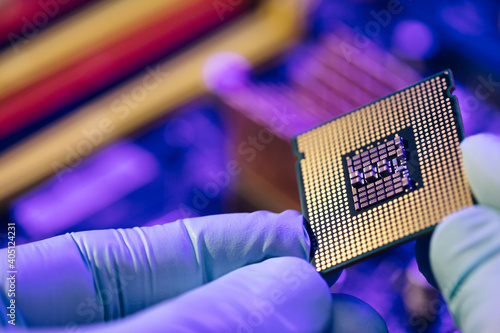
[75, 38]
[257, 36]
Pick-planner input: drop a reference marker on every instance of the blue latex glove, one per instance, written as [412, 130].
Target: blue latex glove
[464, 249]
[226, 273]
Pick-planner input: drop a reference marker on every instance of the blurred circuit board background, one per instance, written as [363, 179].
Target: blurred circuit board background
[122, 113]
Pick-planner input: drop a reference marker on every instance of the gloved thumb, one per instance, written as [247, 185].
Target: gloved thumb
[277, 295]
[465, 259]
[283, 294]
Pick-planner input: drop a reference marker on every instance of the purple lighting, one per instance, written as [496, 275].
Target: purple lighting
[464, 18]
[61, 203]
[413, 40]
[225, 72]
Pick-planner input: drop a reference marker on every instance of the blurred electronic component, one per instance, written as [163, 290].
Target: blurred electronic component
[350, 223]
[271, 28]
[71, 196]
[103, 65]
[129, 184]
[89, 30]
[324, 81]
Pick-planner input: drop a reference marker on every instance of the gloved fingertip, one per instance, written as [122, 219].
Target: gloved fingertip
[481, 157]
[291, 212]
[352, 315]
[473, 142]
[296, 217]
[422, 245]
[287, 228]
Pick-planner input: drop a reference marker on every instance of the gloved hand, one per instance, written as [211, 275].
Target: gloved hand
[464, 249]
[226, 273]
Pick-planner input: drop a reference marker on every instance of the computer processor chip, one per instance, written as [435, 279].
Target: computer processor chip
[382, 174]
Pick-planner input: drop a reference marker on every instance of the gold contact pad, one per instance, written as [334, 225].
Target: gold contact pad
[340, 237]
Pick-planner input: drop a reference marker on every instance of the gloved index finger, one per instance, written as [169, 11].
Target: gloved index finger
[481, 156]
